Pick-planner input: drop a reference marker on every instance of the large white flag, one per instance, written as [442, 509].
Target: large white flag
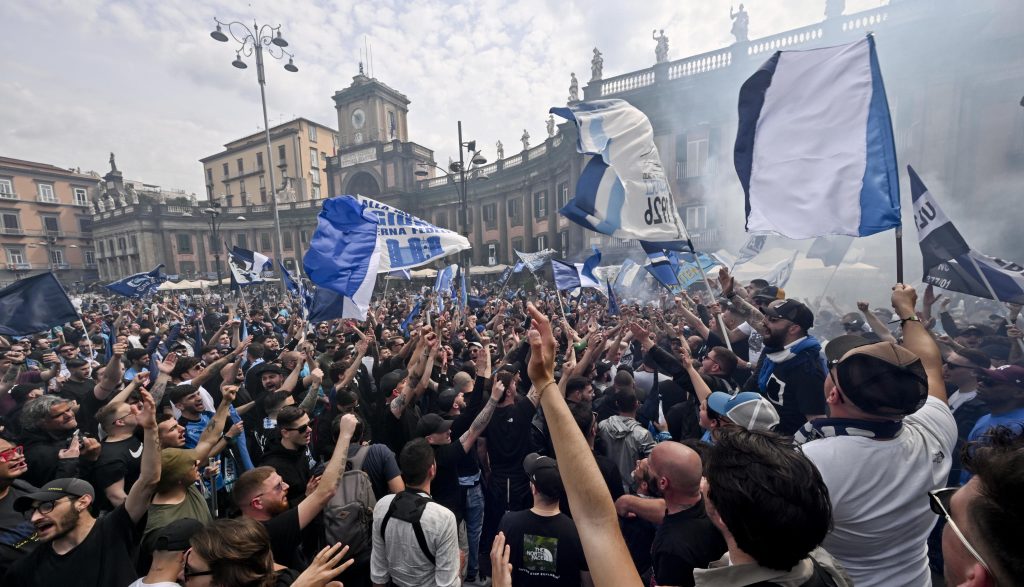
[407, 241]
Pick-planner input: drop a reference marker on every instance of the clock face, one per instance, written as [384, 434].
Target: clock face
[358, 118]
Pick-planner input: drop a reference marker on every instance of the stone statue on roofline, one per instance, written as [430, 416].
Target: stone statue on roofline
[526, 140]
[661, 49]
[574, 88]
[740, 24]
[596, 66]
[500, 149]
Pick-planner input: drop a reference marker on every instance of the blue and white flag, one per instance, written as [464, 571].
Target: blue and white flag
[505, 276]
[586, 270]
[289, 282]
[950, 263]
[445, 278]
[519, 265]
[325, 304]
[565, 275]
[139, 285]
[344, 254]
[247, 266]
[627, 274]
[623, 191]
[412, 316]
[463, 293]
[782, 271]
[661, 264]
[406, 241]
[750, 250]
[536, 261]
[814, 148]
[693, 267]
[34, 304]
[403, 274]
[613, 303]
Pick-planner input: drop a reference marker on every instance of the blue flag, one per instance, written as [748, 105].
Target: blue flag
[693, 267]
[343, 255]
[140, 284]
[476, 302]
[662, 265]
[586, 270]
[445, 278]
[505, 276]
[247, 266]
[623, 191]
[326, 305]
[519, 266]
[34, 304]
[403, 274]
[566, 276]
[814, 146]
[613, 304]
[412, 316]
[293, 286]
[463, 294]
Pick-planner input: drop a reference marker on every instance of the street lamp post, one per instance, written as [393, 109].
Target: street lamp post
[460, 167]
[253, 41]
[215, 222]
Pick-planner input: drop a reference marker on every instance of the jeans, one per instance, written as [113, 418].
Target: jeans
[474, 526]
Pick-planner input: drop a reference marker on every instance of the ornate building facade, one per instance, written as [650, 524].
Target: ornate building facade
[956, 110]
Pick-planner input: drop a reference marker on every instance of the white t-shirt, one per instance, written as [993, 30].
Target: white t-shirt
[879, 491]
[138, 583]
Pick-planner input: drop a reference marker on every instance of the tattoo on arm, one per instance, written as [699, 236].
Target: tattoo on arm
[480, 422]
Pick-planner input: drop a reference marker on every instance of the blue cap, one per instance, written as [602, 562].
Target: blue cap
[747, 409]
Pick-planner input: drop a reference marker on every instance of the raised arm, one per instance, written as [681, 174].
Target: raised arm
[213, 440]
[918, 340]
[312, 505]
[593, 512]
[111, 376]
[877, 326]
[468, 438]
[215, 367]
[141, 493]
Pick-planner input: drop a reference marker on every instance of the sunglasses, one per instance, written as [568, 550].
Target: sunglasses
[12, 453]
[939, 499]
[300, 429]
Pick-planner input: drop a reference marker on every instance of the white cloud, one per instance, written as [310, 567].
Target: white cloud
[144, 79]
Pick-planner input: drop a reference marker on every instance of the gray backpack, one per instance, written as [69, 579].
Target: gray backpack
[348, 517]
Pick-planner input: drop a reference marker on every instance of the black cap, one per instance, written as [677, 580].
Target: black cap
[432, 424]
[175, 536]
[446, 399]
[770, 293]
[390, 381]
[56, 489]
[543, 473]
[791, 310]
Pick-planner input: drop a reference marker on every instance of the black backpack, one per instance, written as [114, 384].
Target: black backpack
[408, 506]
[348, 517]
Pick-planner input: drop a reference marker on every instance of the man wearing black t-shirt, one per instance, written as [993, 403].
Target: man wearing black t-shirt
[262, 495]
[118, 464]
[78, 549]
[545, 546]
[686, 539]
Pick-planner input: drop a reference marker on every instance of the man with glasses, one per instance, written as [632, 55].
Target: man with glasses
[982, 538]
[17, 535]
[78, 549]
[289, 454]
[960, 372]
[887, 441]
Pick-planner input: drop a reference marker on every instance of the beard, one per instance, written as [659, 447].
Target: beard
[775, 340]
[66, 523]
[652, 486]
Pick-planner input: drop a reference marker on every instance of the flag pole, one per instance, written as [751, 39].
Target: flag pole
[561, 305]
[992, 292]
[386, 282]
[711, 292]
[828, 284]
[899, 254]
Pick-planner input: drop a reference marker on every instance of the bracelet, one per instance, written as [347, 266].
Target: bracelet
[540, 391]
[909, 319]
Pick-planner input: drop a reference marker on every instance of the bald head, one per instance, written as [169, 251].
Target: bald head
[680, 466]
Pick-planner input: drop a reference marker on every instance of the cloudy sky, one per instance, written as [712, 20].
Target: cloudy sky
[143, 78]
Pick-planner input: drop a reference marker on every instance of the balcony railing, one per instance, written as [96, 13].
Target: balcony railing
[47, 199]
[12, 231]
[19, 266]
[60, 266]
[8, 196]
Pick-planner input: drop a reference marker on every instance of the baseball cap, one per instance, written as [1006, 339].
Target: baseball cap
[980, 329]
[543, 472]
[747, 409]
[791, 310]
[390, 381]
[446, 399]
[175, 536]
[1006, 375]
[771, 293]
[880, 378]
[56, 489]
[432, 424]
[853, 320]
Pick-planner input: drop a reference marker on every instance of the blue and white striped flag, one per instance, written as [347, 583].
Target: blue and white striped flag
[344, 253]
[403, 274]
[566, 276]
[445, 278]
[623, 191]
[247, 266]
[140, 284]
[586, 270]
[814, 148]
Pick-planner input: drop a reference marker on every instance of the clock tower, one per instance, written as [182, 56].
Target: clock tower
[375, 156]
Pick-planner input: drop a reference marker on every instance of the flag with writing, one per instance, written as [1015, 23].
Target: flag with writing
[139, 285]
[247, 266]
[536, 261]
[750, 250]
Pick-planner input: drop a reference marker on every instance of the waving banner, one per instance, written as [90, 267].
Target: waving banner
[407, 241]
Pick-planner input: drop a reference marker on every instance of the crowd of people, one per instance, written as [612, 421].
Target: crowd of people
[749, 438]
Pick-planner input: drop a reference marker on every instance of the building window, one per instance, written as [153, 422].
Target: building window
[314, 158]
[90, 257]
[563, 243]
[265, 242]
[226, 172]
[281, 155]
[540, 242]
[241, 166]
[187, 267]
[442, 220]
[6, 189]
[81, 197]
[490, 212]
[240, 241]
[84, 224]
[303, 235]
[56, 256]
[563, 194]
[334, 138]
[314, 174]
[46, 192]
[492, 253]
[263, 182]
[16, 256]
[696, 157]
[184, 243]
[517, 245]
[697, 217]
[515, 211]
[540, 205]
[51, 224]
[316, 192]
[227, 188]
[110, 246]
[133, 241]
[312, 133]
[102, 248]
[287, 238]
[259, 160]
[10, 222]
[209, 176]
